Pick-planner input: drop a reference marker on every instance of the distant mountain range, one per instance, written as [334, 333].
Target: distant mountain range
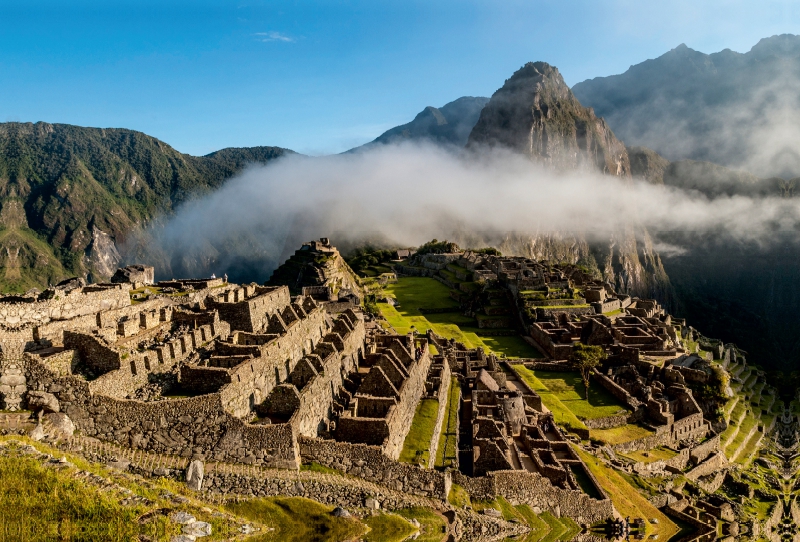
[448, 125]
[733, 109]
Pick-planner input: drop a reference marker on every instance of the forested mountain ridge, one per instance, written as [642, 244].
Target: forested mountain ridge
[68, 194]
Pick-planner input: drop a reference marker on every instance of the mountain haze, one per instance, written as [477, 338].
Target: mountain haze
[737, 110]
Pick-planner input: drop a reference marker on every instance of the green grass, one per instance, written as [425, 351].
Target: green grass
[569, 389]
[448, 440]
[562, 415]
[458, 496]
[416, 447]
[46, 500]
[619, 435]
[296, 519]
[539, 528]
[413, 293]
[388, 528]
[316, 467]
[653, 455]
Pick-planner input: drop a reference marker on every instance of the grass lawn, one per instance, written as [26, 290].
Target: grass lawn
[562, 415]
[569, 389]
[416, 292]
[618, 435]
[656, 454]
[416, 446]
[627, 500]
[447, 450]
[413, 293]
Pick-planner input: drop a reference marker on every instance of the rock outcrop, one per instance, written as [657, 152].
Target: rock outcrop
[535, 113]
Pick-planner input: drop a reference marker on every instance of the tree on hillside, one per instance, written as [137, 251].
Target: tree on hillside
[586, 358]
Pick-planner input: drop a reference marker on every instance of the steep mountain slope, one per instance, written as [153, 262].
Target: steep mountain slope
[448, 125]
[536, 114]
[737, 110]
[69, 195]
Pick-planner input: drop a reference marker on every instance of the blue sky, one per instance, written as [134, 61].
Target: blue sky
[322, 77]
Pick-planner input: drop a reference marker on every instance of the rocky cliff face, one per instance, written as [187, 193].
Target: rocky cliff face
[626, 259]
[536, 114]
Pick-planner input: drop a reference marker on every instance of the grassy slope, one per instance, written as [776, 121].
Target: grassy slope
[627, 500]
[562, 415]
[569, 389]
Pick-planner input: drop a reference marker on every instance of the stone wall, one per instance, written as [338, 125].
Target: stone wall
[700, 452]
[520, 487]
[64, 305]
[402, 414]
[189, 427]
[370, 463]
[250, 314]
[252, 382]
[712, 464]
[442, 395]
[317, 396]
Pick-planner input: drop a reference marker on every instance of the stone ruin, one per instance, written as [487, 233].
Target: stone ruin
[209, 370]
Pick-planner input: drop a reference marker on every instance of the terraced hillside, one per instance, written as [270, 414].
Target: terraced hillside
[750, 414]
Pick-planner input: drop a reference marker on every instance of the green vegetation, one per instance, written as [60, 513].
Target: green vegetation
[416, 446]
[569, 389]
[619, 435]
[63, 181]
[316, 467]
[366, 261]
[655, 454]
[415, 293]
[433, 525]
[438, 247]
[562, 415]
[388, 528]
[586, 358]
[47, 499]
[448, 440]
[458, 496]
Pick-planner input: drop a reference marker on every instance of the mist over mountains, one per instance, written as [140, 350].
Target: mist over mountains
[739, 110]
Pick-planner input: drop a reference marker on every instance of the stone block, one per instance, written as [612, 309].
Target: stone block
[194, 475]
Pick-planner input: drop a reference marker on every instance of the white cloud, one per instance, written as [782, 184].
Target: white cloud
[273, 36]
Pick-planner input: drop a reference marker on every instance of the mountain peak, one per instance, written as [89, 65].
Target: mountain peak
[536, 114]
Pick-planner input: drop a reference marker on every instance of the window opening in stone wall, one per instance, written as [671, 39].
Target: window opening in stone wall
[133, 368]
[147, 363]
